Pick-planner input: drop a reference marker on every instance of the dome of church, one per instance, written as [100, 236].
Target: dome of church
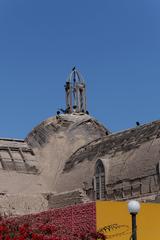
[76, 126]
[57, 138]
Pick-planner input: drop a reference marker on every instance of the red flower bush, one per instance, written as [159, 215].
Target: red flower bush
[71, 223]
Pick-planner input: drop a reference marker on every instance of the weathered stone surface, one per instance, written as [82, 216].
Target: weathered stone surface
[16, 155]
[71, 131]
[67, 198]
[132, 156]
[20, 204]
[56, 163]
[75, 126]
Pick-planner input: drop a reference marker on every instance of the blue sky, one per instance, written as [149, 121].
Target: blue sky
[115, 44]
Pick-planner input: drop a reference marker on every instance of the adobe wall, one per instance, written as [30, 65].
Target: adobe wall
[20, 204]
[67, 199]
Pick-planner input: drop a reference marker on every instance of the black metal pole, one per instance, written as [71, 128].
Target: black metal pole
[134, 227]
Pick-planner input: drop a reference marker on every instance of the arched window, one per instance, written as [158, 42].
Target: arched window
[99, 181]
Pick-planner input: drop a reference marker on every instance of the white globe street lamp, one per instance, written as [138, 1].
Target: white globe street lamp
[133, 208]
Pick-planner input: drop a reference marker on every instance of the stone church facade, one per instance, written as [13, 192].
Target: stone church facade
[71, 158]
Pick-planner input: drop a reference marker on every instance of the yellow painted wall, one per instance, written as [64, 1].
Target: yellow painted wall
[114, 220]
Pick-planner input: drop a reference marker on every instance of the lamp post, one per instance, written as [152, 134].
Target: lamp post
[133, 208]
